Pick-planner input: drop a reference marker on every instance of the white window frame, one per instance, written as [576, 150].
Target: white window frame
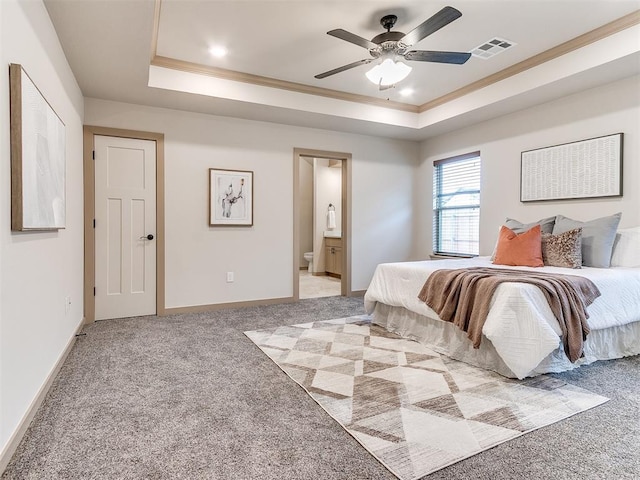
[439, 209]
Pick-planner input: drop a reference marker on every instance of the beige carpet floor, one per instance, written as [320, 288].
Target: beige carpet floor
[414, 410]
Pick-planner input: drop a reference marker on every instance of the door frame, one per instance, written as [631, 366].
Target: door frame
[345, 279]
[89, 133]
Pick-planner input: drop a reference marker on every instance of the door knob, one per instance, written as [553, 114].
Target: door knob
[147, 237]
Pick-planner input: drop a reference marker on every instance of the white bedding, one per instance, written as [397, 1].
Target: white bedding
[520, 324]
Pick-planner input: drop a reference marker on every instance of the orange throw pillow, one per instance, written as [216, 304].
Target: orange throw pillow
[523, 249]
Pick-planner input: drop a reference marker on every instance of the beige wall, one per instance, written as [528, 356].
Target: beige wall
[38, 269]
[197, 256]
[600, 111]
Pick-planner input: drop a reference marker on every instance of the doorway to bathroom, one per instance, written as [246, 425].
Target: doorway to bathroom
[321, 224]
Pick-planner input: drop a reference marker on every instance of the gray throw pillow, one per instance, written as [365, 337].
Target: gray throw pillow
[597, 237]
[546, 225]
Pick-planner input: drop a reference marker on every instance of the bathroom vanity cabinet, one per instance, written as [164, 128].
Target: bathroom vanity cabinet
[333, 256]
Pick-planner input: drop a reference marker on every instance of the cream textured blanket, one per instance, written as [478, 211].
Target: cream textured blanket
[463, 297]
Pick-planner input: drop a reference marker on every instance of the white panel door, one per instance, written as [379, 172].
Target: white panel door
[125, 228]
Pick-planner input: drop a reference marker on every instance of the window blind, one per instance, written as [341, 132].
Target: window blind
[456, 205]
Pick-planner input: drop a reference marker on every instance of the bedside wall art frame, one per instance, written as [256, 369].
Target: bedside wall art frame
[230, 197]
[37, 158]
[586, 169]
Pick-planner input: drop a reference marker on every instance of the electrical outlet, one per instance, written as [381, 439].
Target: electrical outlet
[67, 304]
[229, 277]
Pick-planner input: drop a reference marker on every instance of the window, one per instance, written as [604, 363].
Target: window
[456, 205]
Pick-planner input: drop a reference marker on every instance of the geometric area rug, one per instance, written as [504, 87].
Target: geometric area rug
[414, 410]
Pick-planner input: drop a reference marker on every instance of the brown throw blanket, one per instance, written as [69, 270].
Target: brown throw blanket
[463, 296]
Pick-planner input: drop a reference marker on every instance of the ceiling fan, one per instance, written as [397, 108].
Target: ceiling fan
[393, 46]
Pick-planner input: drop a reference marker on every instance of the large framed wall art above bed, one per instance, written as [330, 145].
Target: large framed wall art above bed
[586, 169]
[37, 158]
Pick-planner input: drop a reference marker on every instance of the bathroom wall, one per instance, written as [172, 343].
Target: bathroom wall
[306, 208]
[327, 190]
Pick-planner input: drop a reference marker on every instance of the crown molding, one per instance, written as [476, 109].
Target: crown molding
[156, 27]
[197, 68]
[611, 28]
[583, 40]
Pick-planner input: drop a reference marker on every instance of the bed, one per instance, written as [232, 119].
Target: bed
[521, 337]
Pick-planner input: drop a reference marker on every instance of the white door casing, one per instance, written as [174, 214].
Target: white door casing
[125, 214]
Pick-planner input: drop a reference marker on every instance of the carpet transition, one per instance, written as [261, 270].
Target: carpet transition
[413, 409]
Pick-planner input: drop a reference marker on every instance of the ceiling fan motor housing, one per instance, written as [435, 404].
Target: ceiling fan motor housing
[387, 37]
[388, 46]
[388, 42]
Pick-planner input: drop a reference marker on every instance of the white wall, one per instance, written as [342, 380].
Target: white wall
[332, 186]
[38, 270]
[306, 208]
[327, 190]
[600, 111]
[197, 256]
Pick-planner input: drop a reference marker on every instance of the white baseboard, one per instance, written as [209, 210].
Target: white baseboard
[11, 446]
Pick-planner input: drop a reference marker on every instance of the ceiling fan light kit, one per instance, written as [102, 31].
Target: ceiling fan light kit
[391, 46]
[389, 72]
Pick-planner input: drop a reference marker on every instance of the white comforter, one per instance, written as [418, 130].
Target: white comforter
[520, 324]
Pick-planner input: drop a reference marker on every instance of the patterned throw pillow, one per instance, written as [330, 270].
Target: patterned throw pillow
[563, 250]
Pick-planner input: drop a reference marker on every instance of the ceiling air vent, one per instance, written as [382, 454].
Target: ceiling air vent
[492, 48]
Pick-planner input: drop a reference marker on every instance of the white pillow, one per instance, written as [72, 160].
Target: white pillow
[626, 249]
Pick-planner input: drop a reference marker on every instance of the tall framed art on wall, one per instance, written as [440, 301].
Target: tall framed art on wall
[38, 158]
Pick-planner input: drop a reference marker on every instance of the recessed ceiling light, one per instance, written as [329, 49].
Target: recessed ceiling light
[218, 51]
[405, 92]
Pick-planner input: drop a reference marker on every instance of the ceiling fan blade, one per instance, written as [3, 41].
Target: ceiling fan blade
[343, 68]
[352, 38]
[439, 57]
[433, 24]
